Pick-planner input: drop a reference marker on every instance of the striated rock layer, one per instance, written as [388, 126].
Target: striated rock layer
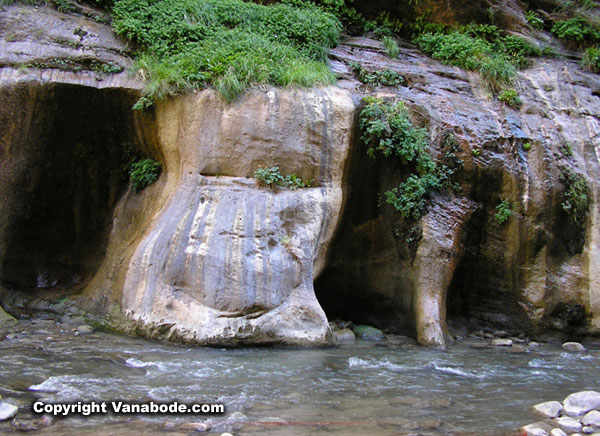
[207, 255]
[226, 261]
[537, 271]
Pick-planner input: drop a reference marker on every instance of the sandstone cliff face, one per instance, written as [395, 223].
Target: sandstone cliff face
[531, 273]
[226, 261]
[207, 256]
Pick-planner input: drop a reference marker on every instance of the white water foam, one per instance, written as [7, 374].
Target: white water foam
[71, 387]
[457, 371]
[137, 363]
[360, 363]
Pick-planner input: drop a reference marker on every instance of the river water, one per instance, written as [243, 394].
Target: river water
[358, 389]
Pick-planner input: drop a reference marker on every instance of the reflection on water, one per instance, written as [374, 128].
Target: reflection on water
[362, 388]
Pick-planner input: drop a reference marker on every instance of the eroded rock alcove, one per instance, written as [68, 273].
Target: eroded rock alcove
[62, 174]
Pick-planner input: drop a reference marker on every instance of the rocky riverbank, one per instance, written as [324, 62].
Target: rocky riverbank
[578, 414]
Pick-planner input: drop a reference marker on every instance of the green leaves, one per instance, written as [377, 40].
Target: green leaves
[387, 130]
[503, 211]
[230, 44]
[143, 173]
[481, 48]
[576, 29]
[272, 176]
[577, 196]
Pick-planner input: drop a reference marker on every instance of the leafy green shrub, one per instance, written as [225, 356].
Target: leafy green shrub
[503, 211]
[292, 181]
[143, 173]
[534, 20]
[576, 29]
[480, 48]
[566, 149]
[517, 50]
[229, 44]
[410, 198]
[377, 77]
[511, 98]
[527, 146]
[591, 59]
[577, 196]
[386, 129]
[268, 176]
[391, 46]
[272, 176]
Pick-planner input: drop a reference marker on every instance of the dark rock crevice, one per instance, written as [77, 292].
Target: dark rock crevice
[62, 175]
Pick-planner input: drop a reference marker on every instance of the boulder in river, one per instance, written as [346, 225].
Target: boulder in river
[567, 423]
[344, 335]
[502, 342]
[85, 329]
[548, 409]
[557, 432]
[581, 402]
[592, 418]
[7, 411]
[533, 430]
[367, 332]
[573, 346]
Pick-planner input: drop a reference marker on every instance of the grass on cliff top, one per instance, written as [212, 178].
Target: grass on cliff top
[481, 48]
[228, 44]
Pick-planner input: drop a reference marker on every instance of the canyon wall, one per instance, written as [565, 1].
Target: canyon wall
[207, 255]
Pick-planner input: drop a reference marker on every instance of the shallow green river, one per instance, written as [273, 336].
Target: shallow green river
[363, 388]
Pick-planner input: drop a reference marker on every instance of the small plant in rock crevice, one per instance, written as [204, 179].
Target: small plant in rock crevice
[503, 211]
[591, 60]
[534, 20]
[576, 29]
[576, 197]
[143, 173]
[387, 130]
[272, 177]
[511, 98]
[391, 46]
[376, 77]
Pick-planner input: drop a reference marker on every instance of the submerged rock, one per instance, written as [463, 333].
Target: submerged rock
[549, 409]
[502, 342]
[7, 410]
[85, 329]
[368, 333]
[237, 417]
[344, 335]
[200, 427]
